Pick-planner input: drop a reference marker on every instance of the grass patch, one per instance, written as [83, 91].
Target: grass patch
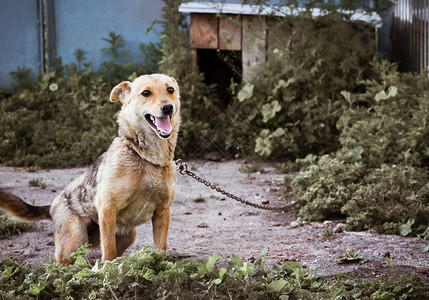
[10, 227]
[199, 199]
[286, 167]
[151, 275]
[352, 257]
[32, 169]
[251, 168]
[37, 183]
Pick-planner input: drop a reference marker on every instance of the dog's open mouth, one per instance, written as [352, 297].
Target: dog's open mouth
[161, 125]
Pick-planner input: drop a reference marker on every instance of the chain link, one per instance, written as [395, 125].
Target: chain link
[182, 168]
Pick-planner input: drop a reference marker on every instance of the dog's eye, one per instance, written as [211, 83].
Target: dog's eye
[146, 93]
[170, 90]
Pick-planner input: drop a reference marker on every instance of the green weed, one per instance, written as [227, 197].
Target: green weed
[32, 169]
[286, 167]
[288, 178]
[329, 234]
[22, 76]
[37, 183]
[10, 227]
[152, 274]
[199, 199]
[352, 257]
[251, 168]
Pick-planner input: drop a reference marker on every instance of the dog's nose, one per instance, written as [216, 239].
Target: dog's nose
[167, 109]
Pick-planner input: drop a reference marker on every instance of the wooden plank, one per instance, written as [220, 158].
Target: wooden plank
[230, 32]
[253, 44]
[203, 31]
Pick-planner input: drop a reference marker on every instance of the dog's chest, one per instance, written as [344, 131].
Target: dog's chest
[142, 204]
[139, 211]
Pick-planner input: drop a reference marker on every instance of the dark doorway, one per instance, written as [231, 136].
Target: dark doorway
[220, 67]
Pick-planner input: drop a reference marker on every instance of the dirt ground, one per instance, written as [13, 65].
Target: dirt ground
[221, 226]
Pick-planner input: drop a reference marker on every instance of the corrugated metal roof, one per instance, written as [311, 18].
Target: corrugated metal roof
[281, 11]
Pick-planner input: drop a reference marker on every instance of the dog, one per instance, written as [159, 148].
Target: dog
[133, 182]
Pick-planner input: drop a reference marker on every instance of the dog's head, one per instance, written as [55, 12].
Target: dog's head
[150, 100]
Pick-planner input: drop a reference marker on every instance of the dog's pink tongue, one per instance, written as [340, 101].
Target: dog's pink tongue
[164, 124]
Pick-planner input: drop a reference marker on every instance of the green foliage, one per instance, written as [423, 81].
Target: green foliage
[65, 118]
[251, 168]
[351, 257]
[117, 69]
[151, 55]
[37, 183]
[156, 276]
[286, 167]
[329, 234]
[80, 57]
[116, 43]
[79, 255]
[379, 178]
[405, 229]
[23, 78]
[10, 227]
[294, 101]
[199, 199]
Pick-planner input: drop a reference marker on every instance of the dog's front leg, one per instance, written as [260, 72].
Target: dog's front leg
[160, 224]
[107, 221]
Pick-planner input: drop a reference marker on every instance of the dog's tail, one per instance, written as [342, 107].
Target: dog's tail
[16, 207]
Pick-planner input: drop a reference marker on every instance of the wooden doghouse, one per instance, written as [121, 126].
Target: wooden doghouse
[247, 29]
[228, 27]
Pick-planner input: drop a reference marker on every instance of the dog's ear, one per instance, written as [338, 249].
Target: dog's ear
[121, 92]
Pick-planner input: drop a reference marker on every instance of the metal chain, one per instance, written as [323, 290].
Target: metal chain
[183, 169]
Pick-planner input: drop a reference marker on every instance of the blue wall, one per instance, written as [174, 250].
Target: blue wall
[76, 24]
[19, 38]
[82, 24]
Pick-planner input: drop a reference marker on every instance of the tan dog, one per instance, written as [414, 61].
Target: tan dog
[131, 183]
